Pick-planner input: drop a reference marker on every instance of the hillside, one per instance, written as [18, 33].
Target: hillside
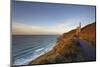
[89, 33]
[67, 49]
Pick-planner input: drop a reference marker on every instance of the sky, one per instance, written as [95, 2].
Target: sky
[34, 18]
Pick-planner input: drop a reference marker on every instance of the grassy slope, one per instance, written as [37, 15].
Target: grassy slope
[89, 33]
[66, 49]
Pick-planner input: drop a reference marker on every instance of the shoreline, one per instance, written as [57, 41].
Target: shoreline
[66, 47]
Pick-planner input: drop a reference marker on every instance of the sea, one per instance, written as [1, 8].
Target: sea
[26, 48]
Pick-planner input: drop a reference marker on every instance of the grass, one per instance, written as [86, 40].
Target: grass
[66, 49]
[89, 33]
[58, 54]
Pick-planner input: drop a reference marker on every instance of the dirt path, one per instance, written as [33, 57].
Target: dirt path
[89, 51]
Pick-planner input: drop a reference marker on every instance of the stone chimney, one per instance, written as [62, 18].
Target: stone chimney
[78, 30]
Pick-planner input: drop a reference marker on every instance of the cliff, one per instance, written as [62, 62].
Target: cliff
[67, 49]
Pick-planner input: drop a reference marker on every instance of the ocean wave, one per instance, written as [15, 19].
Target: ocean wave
[29, 56]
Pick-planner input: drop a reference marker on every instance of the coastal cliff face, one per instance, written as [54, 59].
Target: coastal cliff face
[67, 48]
[89, 33]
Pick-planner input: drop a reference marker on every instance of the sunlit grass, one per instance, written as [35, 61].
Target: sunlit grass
[66, 49]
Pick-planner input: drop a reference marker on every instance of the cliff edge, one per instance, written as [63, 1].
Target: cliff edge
[68, 48]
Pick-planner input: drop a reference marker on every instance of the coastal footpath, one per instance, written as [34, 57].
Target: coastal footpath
[70, 48]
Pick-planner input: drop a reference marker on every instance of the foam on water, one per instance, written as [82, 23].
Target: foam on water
[27, 59]
[26, 49]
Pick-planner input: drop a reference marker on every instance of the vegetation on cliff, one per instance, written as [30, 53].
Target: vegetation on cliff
[67, 49]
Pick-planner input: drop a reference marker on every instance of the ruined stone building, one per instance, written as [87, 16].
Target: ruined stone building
[78, 30]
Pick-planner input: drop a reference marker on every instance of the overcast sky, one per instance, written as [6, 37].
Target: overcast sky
[32, 18]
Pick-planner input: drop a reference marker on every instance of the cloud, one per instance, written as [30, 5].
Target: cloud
[18, 28]
[23, 29]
